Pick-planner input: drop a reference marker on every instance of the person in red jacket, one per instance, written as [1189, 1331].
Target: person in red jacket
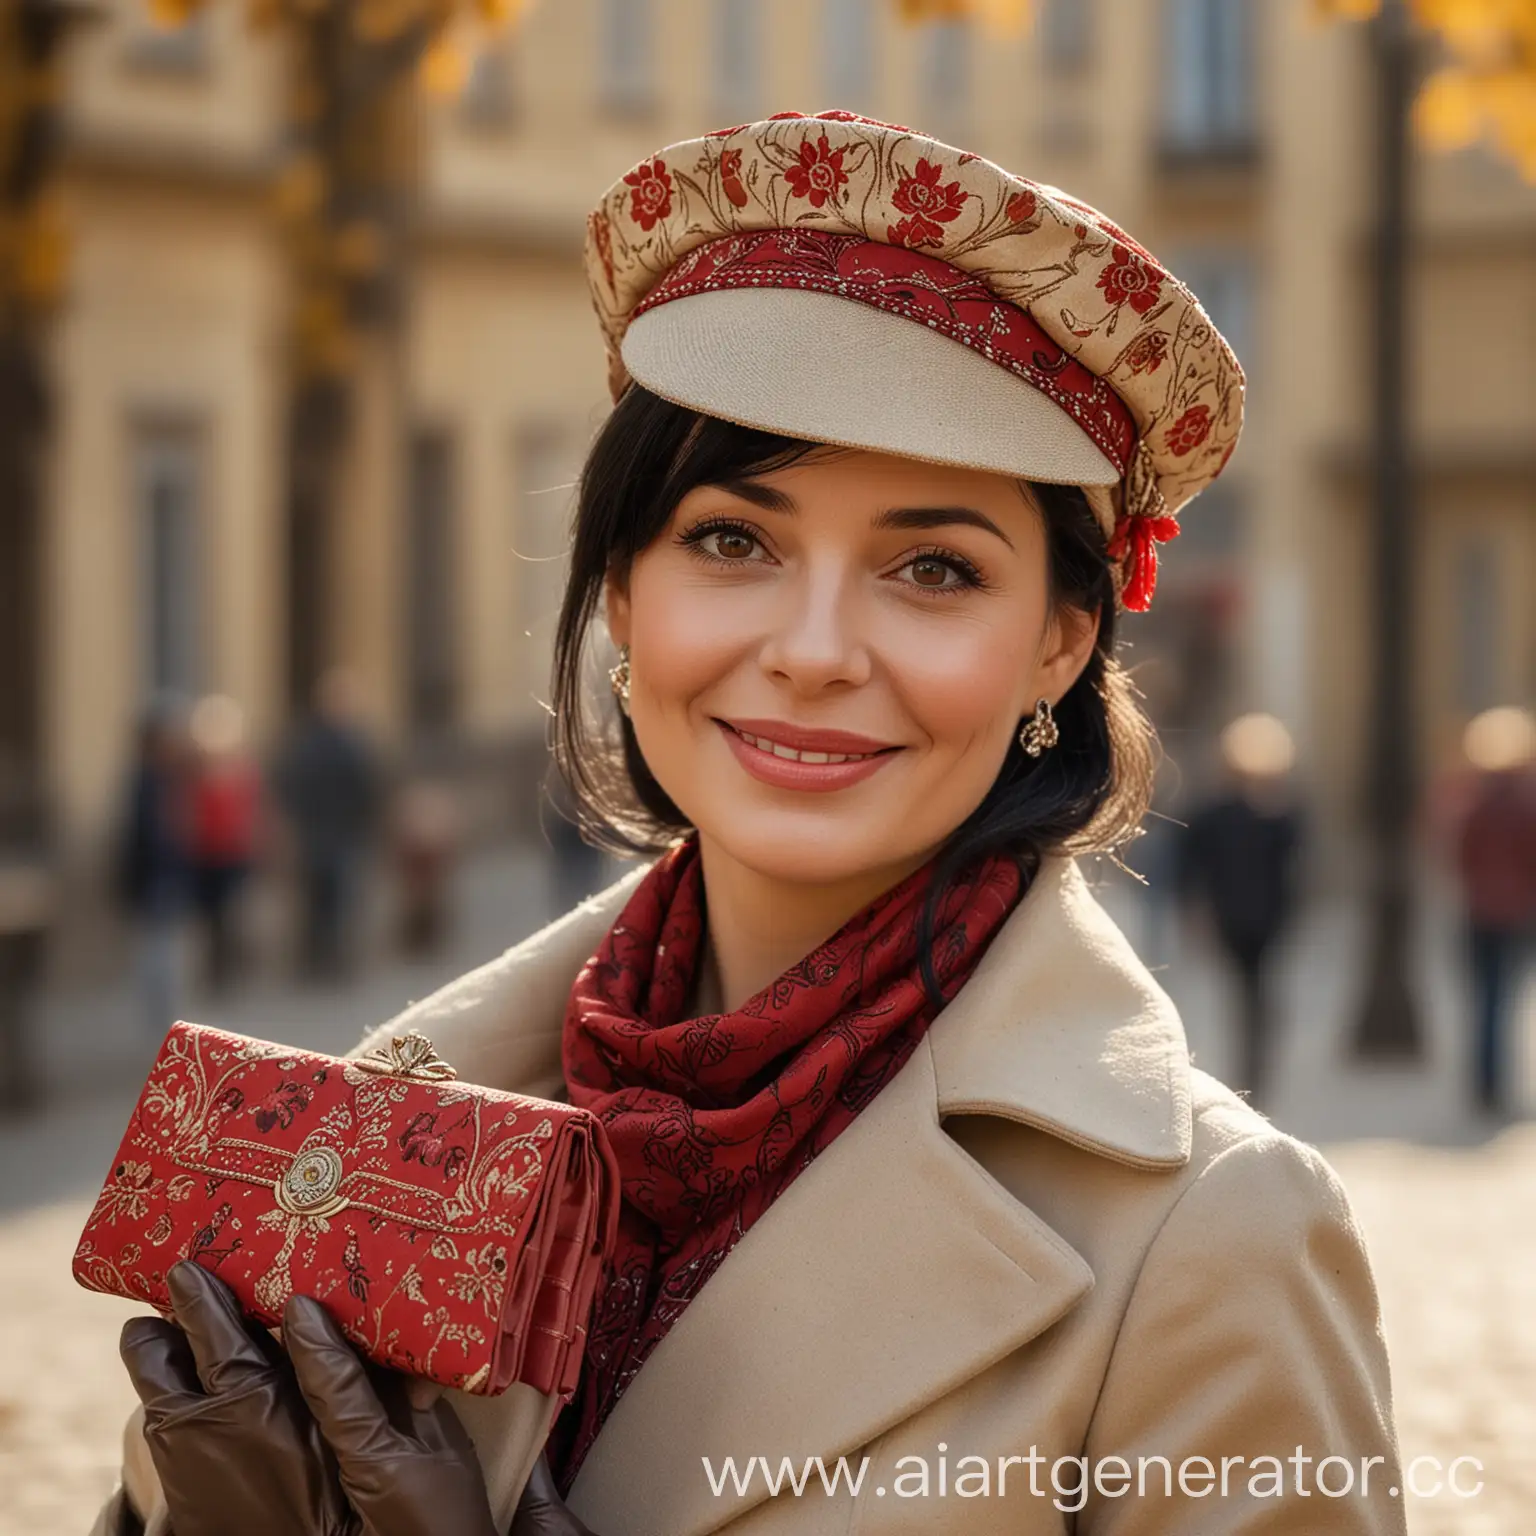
[225, 822]
[1494, 846]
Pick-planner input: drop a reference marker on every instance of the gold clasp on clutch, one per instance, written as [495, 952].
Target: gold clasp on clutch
[312, 1184]
[410, 1056]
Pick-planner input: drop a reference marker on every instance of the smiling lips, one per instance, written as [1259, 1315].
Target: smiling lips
[793, 757]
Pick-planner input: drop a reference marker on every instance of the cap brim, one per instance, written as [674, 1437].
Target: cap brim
[832, 370]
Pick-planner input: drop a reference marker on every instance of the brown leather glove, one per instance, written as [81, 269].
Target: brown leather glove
[119, 1518]
[234, 1445]
[408, 1470]
[541, 1511]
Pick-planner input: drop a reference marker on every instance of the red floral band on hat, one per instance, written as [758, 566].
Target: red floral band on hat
[920, 288]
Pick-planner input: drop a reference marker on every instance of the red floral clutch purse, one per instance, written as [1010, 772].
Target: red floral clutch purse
[454, 1232]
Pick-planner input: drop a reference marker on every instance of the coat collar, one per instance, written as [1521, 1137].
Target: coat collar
[1061, 1027]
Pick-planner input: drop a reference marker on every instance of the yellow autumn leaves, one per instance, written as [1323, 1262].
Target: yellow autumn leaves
[452, 28]
[1483, 87]
[995, 15]
[33, 238]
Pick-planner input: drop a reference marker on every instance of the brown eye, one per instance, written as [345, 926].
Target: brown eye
[729, 544]
[939, 571]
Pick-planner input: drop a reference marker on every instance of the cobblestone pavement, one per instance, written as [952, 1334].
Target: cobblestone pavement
[1448, 1213]
[1454, 1247]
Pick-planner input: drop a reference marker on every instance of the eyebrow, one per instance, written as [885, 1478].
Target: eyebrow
[940, 517]
[906, 518]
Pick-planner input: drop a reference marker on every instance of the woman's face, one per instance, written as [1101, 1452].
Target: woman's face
[828, 662]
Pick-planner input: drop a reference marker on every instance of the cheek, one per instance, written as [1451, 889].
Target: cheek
[684, 635]
[964, 681]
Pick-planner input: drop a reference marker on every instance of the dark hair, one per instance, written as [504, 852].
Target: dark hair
[1088, 794]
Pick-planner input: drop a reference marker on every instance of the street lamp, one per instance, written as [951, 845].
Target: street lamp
[1388, 1025]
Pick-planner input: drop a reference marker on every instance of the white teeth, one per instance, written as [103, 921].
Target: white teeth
[793, 756]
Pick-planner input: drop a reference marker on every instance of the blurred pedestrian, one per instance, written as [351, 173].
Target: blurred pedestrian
[1494, 844]
[425, 843]
[1238, 863]
[225, 823]
[330, 782]
[153, 876]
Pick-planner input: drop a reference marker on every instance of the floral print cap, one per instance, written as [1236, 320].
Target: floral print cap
[1099, 306]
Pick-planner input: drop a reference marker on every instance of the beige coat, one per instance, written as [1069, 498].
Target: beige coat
[1049, 1236]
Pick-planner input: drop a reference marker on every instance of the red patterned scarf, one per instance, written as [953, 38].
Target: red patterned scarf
[712, 1118]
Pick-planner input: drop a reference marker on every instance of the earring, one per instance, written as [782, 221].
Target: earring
[618, 678]
[1040, 733]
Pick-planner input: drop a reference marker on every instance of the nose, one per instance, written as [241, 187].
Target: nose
[816, 640]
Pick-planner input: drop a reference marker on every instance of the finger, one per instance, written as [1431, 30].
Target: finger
[441, 1432]
[541, 1481]
[541, 1511]
[160, 1364]
[229, 1357]
[540, 1491]
[409, 1402]
[335, 1384]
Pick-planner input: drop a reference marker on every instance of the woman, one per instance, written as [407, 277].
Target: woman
[917, 1171]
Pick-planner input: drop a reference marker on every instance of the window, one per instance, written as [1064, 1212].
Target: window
[848, 47]
[1208, 78]
[627, 77]
[545, 475]
[946, 74]
[431, 662]
[1066, 35]
[165, 49]
[736, 57]
[168, 475]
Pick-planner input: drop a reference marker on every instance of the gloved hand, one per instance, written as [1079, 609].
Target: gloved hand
[407, 1470]
[541, 1511]
[234, 1445]
[248, 1440]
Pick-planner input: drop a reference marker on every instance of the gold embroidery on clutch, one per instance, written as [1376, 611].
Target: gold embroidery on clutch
[410, 1056]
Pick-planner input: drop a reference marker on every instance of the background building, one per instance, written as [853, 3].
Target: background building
[1232, 135]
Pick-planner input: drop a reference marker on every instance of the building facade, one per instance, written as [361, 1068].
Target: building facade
[1232, 136]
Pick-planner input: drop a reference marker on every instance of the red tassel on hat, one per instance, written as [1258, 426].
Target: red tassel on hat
[1135, 541]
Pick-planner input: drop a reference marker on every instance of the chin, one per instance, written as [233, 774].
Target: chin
[813, 850]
